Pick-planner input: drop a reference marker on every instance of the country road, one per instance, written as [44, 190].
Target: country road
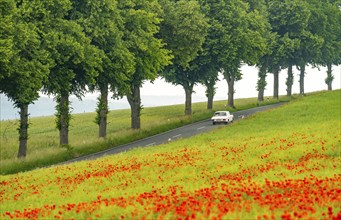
[182, 132]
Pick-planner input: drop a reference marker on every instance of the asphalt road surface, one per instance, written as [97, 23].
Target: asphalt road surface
[182, 132]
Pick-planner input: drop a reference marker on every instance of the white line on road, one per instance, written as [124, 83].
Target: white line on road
[177, 136]
[201, 128]
[151, 144]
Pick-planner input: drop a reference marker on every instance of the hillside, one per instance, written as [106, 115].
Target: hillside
[284, 163]
[43, 143]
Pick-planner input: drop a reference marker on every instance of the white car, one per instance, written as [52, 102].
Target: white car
[222, 117]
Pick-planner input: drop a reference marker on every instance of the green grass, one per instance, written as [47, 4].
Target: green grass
[43, 144]
[281, 162]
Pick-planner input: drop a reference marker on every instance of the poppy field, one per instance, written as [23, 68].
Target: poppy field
[281, 164]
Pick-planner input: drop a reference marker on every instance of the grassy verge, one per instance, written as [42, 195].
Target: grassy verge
[44, 150]
[280, 164]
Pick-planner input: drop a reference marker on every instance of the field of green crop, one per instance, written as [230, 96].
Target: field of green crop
[281, 164]
[43, 144]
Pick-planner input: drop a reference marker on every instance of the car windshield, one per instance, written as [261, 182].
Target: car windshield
[220, 114]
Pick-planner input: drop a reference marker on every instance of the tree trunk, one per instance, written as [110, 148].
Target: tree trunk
[102, 111]
[330, 77]
[290, 80]
[23, 134]
[210, 102]
[261, 95]
[261, 84]
[302, 73]
[210, 92]
[276, 83]
[64, 119]
[188, 102]
[134, 100]
[230, 83]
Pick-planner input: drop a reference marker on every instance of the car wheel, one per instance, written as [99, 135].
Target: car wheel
[213, 123]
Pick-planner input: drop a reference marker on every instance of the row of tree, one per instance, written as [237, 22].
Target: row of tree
[69, 47]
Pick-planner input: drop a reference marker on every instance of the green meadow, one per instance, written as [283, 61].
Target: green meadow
[43, 144]
[284, 163]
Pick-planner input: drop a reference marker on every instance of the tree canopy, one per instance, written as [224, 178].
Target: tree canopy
[73, 60]
[237, 36]
[104, 26]
[24, 65]
[184, 28]
[141, 20]
[330, 30]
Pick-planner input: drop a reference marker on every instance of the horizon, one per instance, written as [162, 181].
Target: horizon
[168, 94]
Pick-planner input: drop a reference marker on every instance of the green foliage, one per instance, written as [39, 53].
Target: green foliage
[288, 17]
[261, 83]
[296, 23]
[101, 105]
[24, 63]
[209, 80]
[141, 25]
[328, 26]
[141, 22]
[330, 77]
[236, 34]
[60, 108]
[23, 127]
[74, 59]
[23, 60]
[104, 26]
[183, 28]
[282, 44]
[8, 11]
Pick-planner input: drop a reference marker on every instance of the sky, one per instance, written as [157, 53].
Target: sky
[314, 81]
